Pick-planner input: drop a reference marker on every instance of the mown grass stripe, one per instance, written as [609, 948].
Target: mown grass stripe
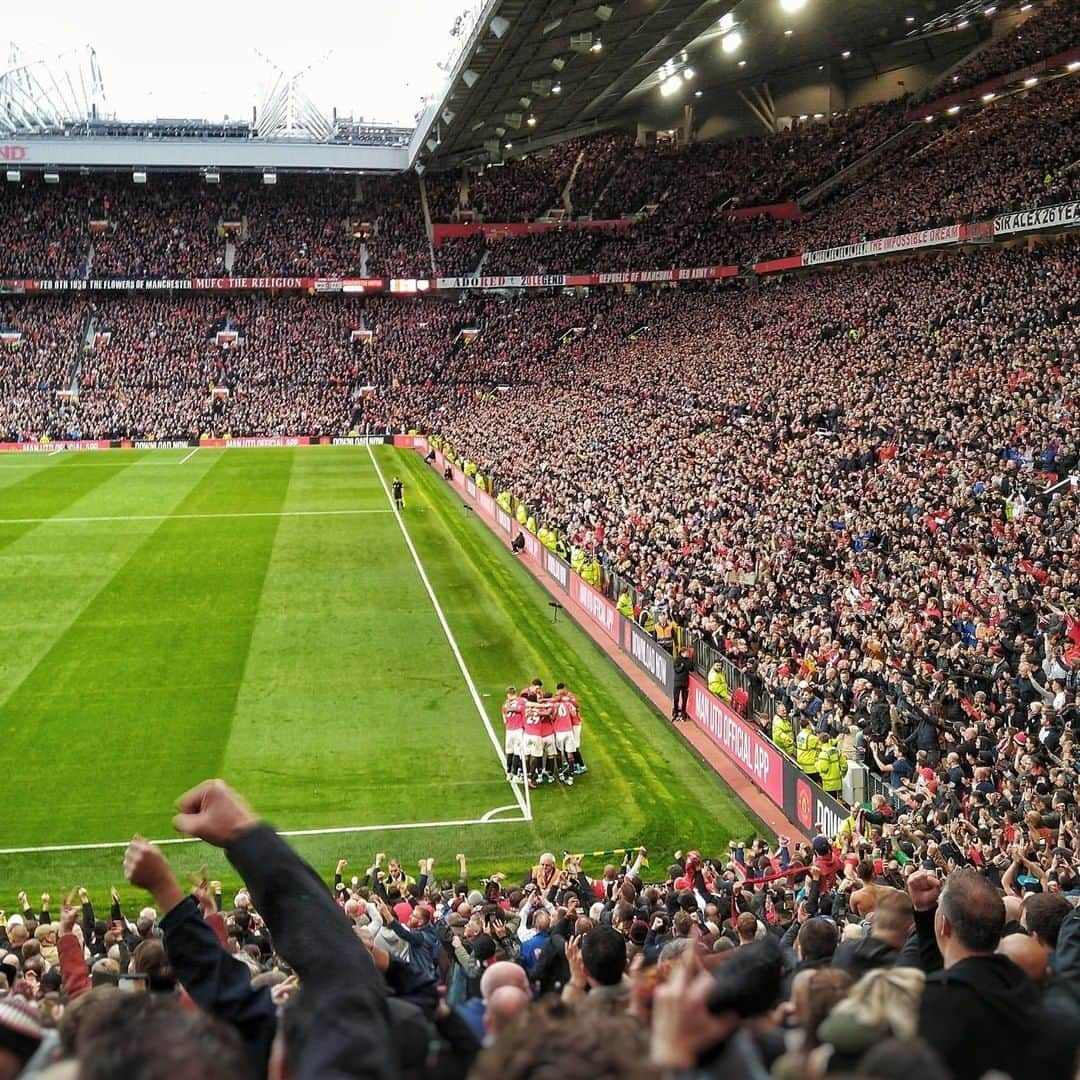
[179, 612]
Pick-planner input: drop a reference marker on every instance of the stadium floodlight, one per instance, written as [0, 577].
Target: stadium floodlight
[1074, 65]
[597, 45]
[14, 176]
[553, 25]
[952, 110]
[846, 54]
[909, 19]
[509, 146]
[558, 63]
[469, 78]
[212, 176]
[688, 73]
[726, 23]
[531, 121]
[788, 32]
[1031, 80]
[604, 12]
[989, 96]
[52, 178]
[138, 176]
[670, 86]
[791, 6]
[269, 178]
[697, 93]
[448, 116]
[988, 11]
[732, 42]
[498, 26]
[432, 145]
[963, 24]
[742, 63]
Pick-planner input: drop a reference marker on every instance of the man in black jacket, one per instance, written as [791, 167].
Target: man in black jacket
[684, 667]
[342, 994]
[979, 1011]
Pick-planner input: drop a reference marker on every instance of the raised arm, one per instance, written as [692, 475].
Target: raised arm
[339, 979]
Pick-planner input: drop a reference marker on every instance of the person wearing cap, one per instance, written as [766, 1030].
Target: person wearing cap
[20, 1035]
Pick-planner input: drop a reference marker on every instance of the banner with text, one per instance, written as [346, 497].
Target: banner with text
[884, 245]
[1062, 216]
[656, 662]
[740, 740]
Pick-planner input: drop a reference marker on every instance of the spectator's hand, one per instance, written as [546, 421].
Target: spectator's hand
[682, 1026]
[84, 896]
[923, 888]
[578, 976]
[146, 867]
[23, 899]
[114, 894]
[213, 812]
[45, 898]
[341, 864]
[69, 915]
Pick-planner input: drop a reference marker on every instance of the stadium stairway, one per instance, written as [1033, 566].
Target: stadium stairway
[565, 196]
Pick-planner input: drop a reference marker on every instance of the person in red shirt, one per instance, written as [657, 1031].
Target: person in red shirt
[575, 720]
[513, 713]
[562, 715]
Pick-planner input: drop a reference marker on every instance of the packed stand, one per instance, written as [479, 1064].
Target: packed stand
[923, 434]
[399, 244]
[1049, 31]
[297, 227]
[1010, 155]
[40, 342]
[935, 943]
[46, 231]
[525, 188]
[168, 227]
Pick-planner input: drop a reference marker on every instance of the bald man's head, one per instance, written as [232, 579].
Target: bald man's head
[503, 973]
[1027, 954]
[504, 1006]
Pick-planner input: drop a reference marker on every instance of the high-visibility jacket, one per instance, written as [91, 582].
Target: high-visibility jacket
[783, 734]
[625, 605]
[831, 767]
[718, 684]
[806, 750]
[664, 632]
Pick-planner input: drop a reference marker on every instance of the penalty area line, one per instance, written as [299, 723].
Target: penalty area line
[518, 798]
[188, 457]
[113, 845]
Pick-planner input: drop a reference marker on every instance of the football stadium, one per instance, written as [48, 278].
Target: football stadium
[554, 551]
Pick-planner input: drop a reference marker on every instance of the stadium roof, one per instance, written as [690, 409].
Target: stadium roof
[533, 73]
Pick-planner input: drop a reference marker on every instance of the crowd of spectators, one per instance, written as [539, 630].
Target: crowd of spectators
[1047, 31]
[897, 947]
[840, 490]
[39, 353]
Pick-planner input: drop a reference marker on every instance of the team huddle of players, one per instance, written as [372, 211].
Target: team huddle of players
[543, 735]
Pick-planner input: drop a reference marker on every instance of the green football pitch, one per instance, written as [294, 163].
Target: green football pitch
[264, 616]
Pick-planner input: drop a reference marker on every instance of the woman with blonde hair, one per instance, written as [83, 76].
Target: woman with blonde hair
[883, 1004]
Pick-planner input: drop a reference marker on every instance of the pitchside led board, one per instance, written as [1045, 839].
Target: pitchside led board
[802, 802]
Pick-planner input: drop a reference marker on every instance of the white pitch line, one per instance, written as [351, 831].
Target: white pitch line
[53, 453]
[188, 457]
[336, 831]
[185, 517]
[526, 813]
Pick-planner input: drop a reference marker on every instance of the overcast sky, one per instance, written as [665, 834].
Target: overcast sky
[196, 58]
